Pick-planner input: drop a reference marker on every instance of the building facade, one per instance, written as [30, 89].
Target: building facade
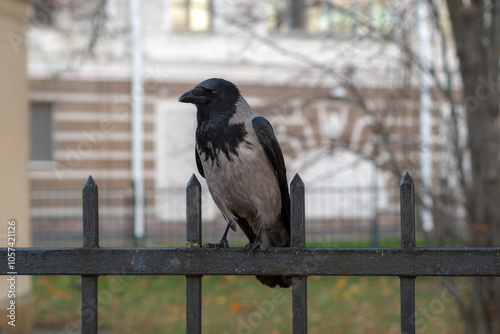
[340, 95]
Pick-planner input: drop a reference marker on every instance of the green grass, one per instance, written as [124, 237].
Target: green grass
[239, 304]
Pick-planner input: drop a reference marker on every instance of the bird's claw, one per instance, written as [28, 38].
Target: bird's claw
[250, 247]
[221, 244]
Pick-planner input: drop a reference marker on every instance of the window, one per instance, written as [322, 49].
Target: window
[195, 15]
[331, 17]
[41, 132]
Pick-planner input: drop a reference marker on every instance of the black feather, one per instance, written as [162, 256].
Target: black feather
[273, 281]
[245, 227]
[265, 133]
[219, 136]
[198, 164]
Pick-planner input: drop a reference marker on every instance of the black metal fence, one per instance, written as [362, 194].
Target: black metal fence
[298, 261]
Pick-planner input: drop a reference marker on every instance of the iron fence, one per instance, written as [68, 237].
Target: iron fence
[298, 261]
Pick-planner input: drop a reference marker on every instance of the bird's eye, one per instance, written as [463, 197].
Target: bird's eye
[215, 93]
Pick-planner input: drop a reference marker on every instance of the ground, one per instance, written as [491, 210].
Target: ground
[237, 304]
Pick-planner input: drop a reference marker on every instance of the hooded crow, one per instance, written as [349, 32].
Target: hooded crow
[241, 160]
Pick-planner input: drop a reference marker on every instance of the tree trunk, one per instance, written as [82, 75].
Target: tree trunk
[476, 31]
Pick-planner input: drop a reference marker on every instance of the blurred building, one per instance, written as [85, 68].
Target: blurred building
[294, 61]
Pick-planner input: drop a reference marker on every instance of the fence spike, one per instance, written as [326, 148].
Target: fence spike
[90, 204]
[193, 180]
[193, 236]
[193, 211]
[407, 207]
[298, 239]
[407, 283]
[406, 179]
[297, 180]
[90, 198]
[90, 182]
[297, 212]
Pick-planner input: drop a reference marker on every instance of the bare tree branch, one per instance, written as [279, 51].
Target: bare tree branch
[77, 57]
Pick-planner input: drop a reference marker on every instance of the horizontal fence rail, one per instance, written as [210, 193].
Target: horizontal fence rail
[298, 261]
[275, 261]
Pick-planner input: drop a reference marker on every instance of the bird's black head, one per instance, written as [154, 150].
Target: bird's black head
[215, 101]
[213, 95]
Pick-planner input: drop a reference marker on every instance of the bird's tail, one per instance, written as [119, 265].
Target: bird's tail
[273, 281]
[277, 236]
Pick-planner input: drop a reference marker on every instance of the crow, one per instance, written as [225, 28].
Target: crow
[241, 160]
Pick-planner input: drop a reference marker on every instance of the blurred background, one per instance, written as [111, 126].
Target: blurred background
[335, 80]
[358, 93]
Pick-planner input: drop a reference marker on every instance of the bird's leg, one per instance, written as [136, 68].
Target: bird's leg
[258, 243]
[223, 240]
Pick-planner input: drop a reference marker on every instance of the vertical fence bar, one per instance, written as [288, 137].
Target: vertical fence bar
[90, 240]
[193, 232]
[298, 239]
[407, 283]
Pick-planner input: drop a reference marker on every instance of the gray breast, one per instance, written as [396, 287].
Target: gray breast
[244, 185]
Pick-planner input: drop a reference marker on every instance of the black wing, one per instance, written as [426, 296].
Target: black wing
[198, 163]
[265, 133]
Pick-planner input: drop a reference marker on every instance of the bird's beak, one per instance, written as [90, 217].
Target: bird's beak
[195, 96]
